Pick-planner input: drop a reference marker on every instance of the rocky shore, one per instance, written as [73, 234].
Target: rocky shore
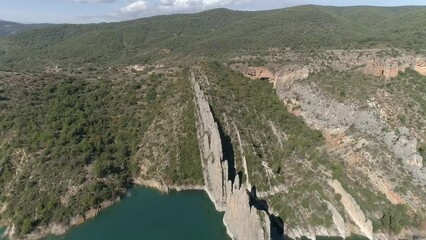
[167, 188]
[60, 229]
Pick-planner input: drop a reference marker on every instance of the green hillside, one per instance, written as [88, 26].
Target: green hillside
[9, 28]
[218, 33]
[320, 140]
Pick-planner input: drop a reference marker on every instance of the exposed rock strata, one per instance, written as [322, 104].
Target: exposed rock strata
[349, 130]
[338, 220]
[369, 61]
[339, 228]
[243, 222]
[354, 211]
[311, 232]
[214, 168]
[420, 66]
[166, 188]
[322, 113]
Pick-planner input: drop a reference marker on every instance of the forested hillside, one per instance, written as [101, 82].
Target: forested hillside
[10, 28]
[217, 33]
[300, 122]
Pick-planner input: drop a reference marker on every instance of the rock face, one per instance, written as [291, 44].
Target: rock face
[338, 220]
[290, 74]
[322, 113]
[312, 233]
[261, 73]
[420, 66]
[369, 61]
[243, 221]
[369, 144]
[404, 147]
[388, 68]
[354, 211]
[214, 168]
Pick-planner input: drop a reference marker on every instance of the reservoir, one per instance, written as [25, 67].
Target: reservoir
[1, 232]
[151, 215]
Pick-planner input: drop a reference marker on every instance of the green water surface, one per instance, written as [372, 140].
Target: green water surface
[148, 214]
[1, 232]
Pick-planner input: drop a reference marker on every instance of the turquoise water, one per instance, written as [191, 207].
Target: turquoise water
[148, 214]
[1, 232]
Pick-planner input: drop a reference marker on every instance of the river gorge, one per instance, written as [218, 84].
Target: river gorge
[143, 214]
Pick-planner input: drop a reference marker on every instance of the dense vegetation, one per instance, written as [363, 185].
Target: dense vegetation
[74, 133]
[71, 142]
[169, 149]
[278, 146]
[254, 105]
[276, 139]
[217, 33]
[9, 28]
[75, 139]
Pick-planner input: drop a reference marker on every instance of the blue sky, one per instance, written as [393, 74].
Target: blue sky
[85, 11]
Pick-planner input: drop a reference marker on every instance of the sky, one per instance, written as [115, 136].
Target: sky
[94, 11]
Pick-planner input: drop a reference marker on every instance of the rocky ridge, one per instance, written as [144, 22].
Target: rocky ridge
[352, 130]
[378, 62]
[242, 219]
[378, 153]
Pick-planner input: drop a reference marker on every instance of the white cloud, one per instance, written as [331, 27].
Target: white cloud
[92, 1]
[143, 8]
[197, 4]
[136, 7]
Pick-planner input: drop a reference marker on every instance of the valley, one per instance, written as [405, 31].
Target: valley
[317, 132]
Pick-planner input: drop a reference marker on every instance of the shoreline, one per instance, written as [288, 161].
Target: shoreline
[57, 229]
[164, 188]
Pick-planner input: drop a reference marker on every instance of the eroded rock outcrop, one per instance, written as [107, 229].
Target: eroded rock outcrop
[338, 220]
[323, 113]
[354, 211]
[420, 66]
[214, 168]
[338, 228]
[243, 222]
[290, 74]
[368, 143]
[387, 68]
[261, 73]
[377, 62]
[312, 232]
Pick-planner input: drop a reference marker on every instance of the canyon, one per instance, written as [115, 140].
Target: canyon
[303, 122]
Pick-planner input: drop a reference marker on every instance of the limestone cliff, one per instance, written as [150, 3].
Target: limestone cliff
[365, 137]
[369, 106]
[214, 167]
[353, 210]
[243, 221]
[338, 228]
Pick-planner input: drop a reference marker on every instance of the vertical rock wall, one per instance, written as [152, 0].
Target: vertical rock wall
[214, 168]
[243, 222]
[354, 211]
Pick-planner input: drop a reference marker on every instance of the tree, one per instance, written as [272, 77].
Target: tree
[395, 218]
[26, 226]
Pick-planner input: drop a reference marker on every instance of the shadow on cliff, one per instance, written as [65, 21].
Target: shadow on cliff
[277, 224]
[227, 149]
